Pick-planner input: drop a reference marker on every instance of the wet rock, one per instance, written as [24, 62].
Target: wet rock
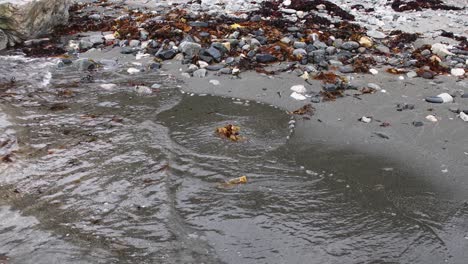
[134, 43]
[330, 50]
[317, 56]
[198, 24]
[214, 53]
[265, 58]
[225, 71]
[128, 50]
[200, 73]
[335, 63]
[96, 39]
[85, 45]
[350, 45]
[320, 45]
[376, 34]
[28, 19]
[190, 49]
[167, 54]
[215, 67]
[299, 53]
[346, 69]
[383, 49]
[85, 64]
[299, 45]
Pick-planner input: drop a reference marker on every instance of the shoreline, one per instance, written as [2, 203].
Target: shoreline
[438, 149]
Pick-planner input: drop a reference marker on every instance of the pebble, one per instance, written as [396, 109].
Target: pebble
[376, 34]
[373, 71]
[431, 118]
[265, 58]
[411, 74]
[214, 82]
[440, 50]
[350, 45]
[346, 69]
[298, 96]
[200, 73]
[299, 89]
[202, 64]
[365, 119]
[463, 116]
[140, 89]
[457, 72]
[441, 98]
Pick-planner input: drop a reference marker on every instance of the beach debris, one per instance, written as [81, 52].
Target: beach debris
[382, 135]
[229, 131]
[431, 118]
[234, 182]
[239, 180]
[385, 124]
[368, 90]
[307, 109]
[298, 96]
[439, 99]
[463, 116]
[365, 119]
[373, 71]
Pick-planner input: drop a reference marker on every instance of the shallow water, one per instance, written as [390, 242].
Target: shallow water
[111, 176]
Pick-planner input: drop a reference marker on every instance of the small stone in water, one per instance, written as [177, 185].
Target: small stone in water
[140, 89]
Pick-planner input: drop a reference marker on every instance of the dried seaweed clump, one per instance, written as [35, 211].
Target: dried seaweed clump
[419, 5]
[398, 38]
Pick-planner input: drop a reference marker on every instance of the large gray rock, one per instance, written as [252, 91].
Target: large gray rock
[26, 19]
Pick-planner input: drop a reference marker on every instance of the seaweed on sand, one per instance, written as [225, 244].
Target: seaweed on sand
[418, 5]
